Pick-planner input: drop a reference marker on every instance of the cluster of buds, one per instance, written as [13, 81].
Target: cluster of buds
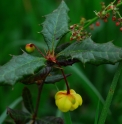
[118, 22]
[118, 1]
[78, 33]
[117, 17]
[68, 102]
[104, 13]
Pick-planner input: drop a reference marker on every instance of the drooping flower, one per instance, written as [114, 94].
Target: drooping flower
[68, 102]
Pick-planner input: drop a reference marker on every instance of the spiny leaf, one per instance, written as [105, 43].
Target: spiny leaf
[27, 99]
[19, 117]
[55, 26]
[50, 120]
[20, 67]
[88, 51]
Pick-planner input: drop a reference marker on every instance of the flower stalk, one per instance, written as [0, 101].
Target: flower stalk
[67, 118]
[67, 85]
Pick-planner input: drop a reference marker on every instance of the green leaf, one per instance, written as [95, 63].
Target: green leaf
[4, 115]
[20, 67]
[27, 99]
[88, 51]
[55, 26]
[19, 117]
[54, 78]
[50, 120]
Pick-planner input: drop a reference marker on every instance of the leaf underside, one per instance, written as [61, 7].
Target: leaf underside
[42, 74]
[54, 78]
[50, 120]
[27, 99]
[19, 117]
[88, 51]
[55, 26]
[20, 67]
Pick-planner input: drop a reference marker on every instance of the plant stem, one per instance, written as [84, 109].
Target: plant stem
[39, 50]
[67, 118]
[91, 21]
[110, 95]
[37, 103]
[68, 89]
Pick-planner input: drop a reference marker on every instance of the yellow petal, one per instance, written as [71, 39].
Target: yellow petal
[58, 94]
[71, 98]
[63, 104]
[79, 99]
[74, 106]
[72, 91]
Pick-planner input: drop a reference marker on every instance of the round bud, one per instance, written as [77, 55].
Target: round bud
[121, 29]
[97, 23]
[117, 23]
[29, 47]
[112, 7]
[119, 19]
[105, 20]
[114, 18]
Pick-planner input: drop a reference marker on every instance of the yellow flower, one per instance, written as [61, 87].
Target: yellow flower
[68, 102]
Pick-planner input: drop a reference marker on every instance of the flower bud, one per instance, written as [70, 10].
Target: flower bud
[68, 102]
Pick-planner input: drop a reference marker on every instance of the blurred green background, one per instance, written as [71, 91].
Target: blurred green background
[19, 24]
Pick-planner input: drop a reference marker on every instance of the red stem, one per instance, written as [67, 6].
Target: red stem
[39, 50]
[68, 89]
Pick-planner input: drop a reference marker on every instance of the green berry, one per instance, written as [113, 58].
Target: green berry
[29, 47]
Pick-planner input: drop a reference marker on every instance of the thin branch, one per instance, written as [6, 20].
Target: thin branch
[38, 101]
[40, 84]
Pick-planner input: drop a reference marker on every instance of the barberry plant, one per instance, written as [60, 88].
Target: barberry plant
[48, 69]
